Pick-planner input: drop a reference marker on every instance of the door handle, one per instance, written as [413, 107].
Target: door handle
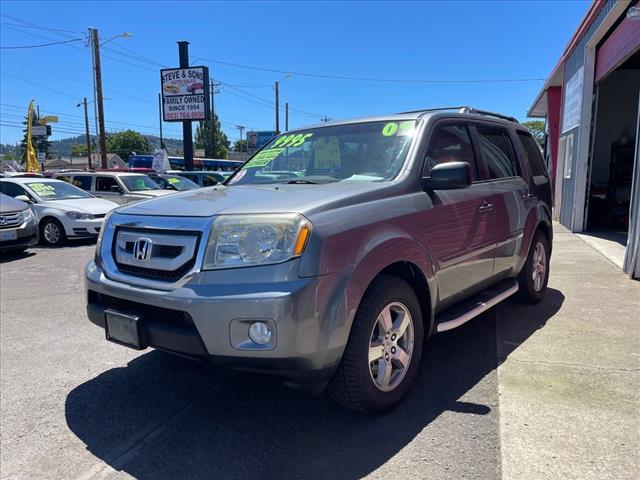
[485, 207]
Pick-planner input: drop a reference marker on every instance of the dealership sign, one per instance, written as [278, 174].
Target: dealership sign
[185, 94]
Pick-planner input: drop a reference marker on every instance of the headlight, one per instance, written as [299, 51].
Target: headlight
[79, 216]
[27, 215]
[249, 240]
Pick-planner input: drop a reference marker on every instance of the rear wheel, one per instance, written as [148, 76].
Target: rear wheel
[534, 276]
[384, 349]
[52, 232]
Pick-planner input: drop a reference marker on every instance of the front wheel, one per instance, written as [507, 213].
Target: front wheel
[534, 276]
[384, 349]
[52, 232]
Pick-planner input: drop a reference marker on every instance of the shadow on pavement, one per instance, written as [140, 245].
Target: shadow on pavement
[167, 417]
[12, 256]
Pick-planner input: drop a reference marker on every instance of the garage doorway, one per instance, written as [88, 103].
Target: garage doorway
[613, 153]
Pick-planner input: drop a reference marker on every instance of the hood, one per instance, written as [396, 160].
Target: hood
[96, 206]
[9, 204]
[243, 199]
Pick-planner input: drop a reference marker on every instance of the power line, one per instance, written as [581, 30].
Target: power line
[371, 79]
[33, 26]
[42, 44]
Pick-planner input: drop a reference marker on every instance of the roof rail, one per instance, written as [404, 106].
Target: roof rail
[467, 109]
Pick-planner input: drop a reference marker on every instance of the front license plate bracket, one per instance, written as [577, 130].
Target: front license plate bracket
[124, 329]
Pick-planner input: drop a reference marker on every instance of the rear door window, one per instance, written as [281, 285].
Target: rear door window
[497, 152]
[533, 155]
[449, 143]
[83, 182]
[104, 184]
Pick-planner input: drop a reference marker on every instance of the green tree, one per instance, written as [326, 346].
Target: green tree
[204, 139]
[41, 144]
[123, 143]
[536, 127]
[80, 149]
[237, 144]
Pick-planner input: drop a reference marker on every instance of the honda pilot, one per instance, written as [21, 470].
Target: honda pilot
[385, 231]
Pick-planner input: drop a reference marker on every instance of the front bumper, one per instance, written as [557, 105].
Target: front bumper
[204, 317]
[83, 228]
[27, 236]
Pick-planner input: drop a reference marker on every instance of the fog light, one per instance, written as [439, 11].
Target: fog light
[260, 333]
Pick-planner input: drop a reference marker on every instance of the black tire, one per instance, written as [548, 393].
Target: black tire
[530, 290]
[49, 239]
[353, 385]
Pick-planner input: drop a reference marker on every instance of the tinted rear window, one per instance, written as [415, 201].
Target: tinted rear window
[497, 152]
[533, 154]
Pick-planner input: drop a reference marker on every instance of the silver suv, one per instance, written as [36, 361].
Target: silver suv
[383, 231]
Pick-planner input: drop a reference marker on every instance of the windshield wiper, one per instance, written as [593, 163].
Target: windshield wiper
[301, 181]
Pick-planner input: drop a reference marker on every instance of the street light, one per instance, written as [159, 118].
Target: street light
[288, 75]
[120, 35]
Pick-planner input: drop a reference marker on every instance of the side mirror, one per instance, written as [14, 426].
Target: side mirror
[448, 176]
[23, 198]
[115, 189]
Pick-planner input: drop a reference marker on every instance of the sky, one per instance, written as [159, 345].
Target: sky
[435, 53]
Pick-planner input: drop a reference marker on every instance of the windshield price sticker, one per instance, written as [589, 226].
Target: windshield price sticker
[402, 129]
[42, 189]
[264, 157]
[293, 140]
[173, 180]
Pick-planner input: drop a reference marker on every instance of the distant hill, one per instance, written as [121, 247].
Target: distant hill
[62, 147]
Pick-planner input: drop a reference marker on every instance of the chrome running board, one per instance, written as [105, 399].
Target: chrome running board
[462, 313]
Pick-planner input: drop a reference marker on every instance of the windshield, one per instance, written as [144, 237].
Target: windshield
[373, 151]
[56, 190]
[178, 183]
[138, 183]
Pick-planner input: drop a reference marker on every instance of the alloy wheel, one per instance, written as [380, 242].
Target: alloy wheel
[539, 270]
[52, 233]
[391, 346]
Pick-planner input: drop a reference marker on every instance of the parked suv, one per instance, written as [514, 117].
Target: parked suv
[119, 187]
[393, 228]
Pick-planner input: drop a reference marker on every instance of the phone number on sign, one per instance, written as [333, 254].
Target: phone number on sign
[185, 116]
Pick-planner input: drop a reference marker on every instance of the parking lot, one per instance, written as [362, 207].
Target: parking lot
[76, 406]
[520, 392]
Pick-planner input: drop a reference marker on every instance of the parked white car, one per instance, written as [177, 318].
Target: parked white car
[63, 211]
[120, 187]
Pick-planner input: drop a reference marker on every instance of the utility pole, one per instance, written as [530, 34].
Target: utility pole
[241, 128]
[325, 119]
[277, 110]
[286, 117]
[187, 133]
[102, 141]
[160, 118]
[86, 128]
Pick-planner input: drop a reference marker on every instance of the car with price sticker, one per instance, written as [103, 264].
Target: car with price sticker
[119, 187]
[334, 252]
[18, 226]
[169, 181]
[62, 210]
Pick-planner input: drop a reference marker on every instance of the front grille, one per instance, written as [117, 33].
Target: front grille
[10, 220]
[156, 273]
[150, 313]
[172, 253]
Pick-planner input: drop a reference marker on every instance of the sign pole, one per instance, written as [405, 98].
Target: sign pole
[187, 134]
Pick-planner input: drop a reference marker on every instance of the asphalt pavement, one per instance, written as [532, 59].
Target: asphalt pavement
[73, 405]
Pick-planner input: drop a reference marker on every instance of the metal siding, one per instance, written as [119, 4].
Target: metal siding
[573, 63]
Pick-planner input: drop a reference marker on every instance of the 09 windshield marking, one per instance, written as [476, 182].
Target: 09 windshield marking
[370, 151]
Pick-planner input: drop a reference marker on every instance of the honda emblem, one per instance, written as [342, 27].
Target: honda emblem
[142, 249]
